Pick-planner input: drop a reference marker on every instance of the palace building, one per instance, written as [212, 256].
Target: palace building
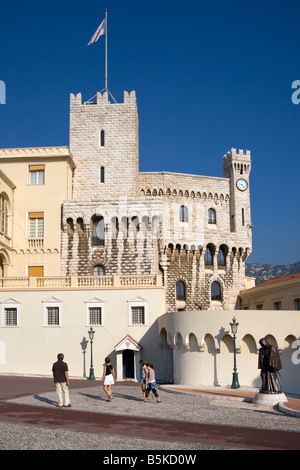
[86, 239]
[86, 210]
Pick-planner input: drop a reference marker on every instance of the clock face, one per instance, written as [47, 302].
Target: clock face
[242, 184]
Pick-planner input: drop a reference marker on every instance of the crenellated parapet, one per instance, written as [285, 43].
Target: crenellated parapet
[239, 161]
[102, 99]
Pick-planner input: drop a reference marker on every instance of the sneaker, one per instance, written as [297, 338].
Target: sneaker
[68, 406]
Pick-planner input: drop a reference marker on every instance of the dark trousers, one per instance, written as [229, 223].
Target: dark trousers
[151, 387]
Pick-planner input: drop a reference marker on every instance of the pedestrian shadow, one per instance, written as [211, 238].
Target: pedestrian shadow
[116, 394]
[127, 397]
[44, 400]
[94, 397]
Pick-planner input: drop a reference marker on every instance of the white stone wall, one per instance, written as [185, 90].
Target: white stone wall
[31, 347]
[202, 346]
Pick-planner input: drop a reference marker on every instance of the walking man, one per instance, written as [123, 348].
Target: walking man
[61, 380]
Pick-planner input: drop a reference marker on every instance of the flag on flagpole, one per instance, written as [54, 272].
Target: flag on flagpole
[100, 30]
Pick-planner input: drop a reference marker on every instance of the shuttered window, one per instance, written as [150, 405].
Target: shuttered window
[36, 224]
[35, 271]
[36, 174]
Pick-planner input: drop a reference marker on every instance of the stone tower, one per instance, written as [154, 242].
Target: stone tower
[104, 145]
[237, 167]
[107, 226]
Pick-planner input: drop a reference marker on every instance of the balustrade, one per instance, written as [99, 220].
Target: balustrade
[81, 282]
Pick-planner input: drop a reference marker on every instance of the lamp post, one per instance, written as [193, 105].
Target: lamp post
[91, 336]
[235, 379]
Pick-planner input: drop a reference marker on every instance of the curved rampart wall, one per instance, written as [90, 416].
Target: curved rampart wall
[203, 346]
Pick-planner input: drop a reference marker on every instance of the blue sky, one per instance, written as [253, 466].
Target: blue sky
[208, 76]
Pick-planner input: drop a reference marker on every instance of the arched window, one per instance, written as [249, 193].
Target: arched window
[183, 214]
[99, 270]
[180, 290]
[222, 256]
[98, 231]
[102, 138]
[215, 291]
[102, 174]
[3, 215]
[212, 219]
[208, 257]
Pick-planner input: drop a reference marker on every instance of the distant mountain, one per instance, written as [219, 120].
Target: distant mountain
[265, 272]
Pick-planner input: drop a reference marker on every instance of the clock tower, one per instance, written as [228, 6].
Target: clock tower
[237, 167]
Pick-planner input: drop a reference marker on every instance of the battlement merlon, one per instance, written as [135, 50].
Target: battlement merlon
[240, 158]
[102, 99]
[232, 153]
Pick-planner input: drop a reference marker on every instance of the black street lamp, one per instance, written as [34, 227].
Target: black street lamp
[91, 336]
[235, 379]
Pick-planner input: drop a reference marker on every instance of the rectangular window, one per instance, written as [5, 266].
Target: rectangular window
[94, 312]
[37, 174]
[95, 316]
[10, 316]
[36, 225]
[102, 174]
[53, 316]
[277, 306]
[52, 312]
[138, 315]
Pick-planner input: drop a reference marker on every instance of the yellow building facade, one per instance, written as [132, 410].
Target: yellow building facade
[34, 183]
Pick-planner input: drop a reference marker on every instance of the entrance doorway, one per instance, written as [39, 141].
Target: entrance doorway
[128, 364]
[127, 358]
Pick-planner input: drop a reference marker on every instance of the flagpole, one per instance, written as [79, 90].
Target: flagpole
[105, 50]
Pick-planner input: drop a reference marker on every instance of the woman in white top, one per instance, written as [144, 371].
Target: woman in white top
[151, 385]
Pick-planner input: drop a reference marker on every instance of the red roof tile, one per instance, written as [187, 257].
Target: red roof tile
[279, 279]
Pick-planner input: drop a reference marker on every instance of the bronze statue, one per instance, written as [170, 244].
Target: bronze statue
[270, 363]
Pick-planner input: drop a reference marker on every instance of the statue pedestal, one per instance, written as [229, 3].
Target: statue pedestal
[268, 399]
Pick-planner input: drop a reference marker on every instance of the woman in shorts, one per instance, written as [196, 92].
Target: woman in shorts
[108, 378]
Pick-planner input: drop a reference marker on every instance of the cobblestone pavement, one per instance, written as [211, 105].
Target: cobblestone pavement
[179, 409]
